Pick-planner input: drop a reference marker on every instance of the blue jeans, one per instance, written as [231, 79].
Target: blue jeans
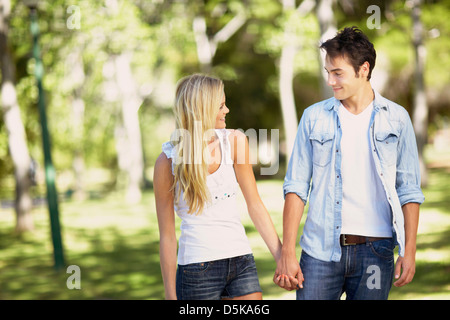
[214, 280]
[365, 272]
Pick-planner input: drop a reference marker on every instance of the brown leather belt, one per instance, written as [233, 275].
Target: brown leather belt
[350, 239]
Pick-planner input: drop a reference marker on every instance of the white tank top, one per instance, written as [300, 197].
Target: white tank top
[217, 232]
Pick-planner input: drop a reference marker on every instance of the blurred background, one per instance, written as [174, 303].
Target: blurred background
[86, 102]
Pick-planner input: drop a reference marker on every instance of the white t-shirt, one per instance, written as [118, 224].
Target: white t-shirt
[217, 232]
[365, 209]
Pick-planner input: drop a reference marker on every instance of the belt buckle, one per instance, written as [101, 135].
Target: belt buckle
[344, 241]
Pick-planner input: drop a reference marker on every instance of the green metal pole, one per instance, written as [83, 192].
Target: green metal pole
[52, 196]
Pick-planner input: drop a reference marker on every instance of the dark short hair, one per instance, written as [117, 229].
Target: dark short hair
[352, 44]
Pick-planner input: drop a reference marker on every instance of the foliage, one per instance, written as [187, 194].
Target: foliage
[160, 37]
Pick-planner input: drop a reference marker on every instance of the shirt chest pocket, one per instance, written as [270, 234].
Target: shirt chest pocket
[322, 145]
[386, 144]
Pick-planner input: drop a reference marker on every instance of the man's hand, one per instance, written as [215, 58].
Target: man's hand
[405, 268]
[288, 274]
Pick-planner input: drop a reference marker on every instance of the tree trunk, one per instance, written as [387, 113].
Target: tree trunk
[287, 96]
[206, 46]
[328, 30]
[16, 133]
[128, 132]
[286, 69]
[420, 108]
[77, 76]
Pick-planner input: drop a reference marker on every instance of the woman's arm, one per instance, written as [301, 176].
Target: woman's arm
[162, 183]
[246, 179]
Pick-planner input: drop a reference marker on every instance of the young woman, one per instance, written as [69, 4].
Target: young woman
[196, 176]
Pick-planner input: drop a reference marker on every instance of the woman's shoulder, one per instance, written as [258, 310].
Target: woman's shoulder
[163, 179]
[168, 149]
[165, 159]
[163, 162]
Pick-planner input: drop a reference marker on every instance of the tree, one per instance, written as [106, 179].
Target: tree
[127, 134]
[327, 23]
[206, 44]
[290, 46]
[420, 107]
[77, 77]
[16, 133]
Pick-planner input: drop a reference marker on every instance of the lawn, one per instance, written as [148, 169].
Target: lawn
[116, 248]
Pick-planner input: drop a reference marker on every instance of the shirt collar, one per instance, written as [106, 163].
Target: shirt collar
[379, 102]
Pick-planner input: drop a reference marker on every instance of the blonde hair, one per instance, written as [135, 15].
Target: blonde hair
[197, 103]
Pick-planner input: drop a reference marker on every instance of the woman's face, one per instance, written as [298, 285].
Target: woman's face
[223, 111]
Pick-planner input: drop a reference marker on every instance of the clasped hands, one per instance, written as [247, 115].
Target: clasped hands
[288, 274]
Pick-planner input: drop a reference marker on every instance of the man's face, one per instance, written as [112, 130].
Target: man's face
[342, 78]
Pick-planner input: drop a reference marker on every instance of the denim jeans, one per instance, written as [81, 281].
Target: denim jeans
[214, 280]
[365, 272]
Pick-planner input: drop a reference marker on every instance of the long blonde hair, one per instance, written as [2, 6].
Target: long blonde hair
[197, 103]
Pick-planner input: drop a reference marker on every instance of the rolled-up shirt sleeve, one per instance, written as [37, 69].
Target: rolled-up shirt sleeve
[299, 172]
[408, 170]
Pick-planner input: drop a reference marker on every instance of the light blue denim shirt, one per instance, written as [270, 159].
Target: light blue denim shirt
[315, 170]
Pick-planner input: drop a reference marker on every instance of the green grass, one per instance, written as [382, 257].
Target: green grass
[116, 247]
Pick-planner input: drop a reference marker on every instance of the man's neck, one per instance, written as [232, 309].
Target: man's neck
[359, 101]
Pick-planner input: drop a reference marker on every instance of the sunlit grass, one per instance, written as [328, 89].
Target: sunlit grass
[116, 247]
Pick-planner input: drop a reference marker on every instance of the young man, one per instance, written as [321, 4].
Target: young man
[355, 155]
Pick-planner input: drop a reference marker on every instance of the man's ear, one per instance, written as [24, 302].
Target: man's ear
[364, 70]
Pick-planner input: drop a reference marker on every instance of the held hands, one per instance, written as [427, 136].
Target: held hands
[288, 274]
[287, 282]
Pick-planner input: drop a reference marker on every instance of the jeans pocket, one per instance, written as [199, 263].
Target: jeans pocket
[322, 144]
[383, 249]
[248, 257]
[196, 268]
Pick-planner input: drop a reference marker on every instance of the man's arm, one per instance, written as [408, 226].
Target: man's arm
[296, 188]
[410, 196]
[406, 265]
